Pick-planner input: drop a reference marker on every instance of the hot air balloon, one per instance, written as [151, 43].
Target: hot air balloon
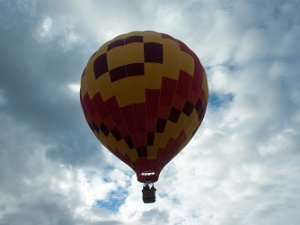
[144, 95]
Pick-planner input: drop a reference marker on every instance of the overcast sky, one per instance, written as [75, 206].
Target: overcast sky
[243, 165]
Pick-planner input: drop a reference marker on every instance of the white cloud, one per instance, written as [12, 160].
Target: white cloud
[60, 29]
[45, 27]
[75, 88]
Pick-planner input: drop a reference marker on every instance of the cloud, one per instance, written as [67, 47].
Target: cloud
[242, 166]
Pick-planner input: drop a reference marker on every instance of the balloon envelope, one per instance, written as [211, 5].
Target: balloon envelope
[144, 95]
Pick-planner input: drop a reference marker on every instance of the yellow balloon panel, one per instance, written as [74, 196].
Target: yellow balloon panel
[130, 90]
[134, 53]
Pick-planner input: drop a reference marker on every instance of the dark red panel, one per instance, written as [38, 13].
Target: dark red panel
[201, 108]
[115, 44]
[109, 122]
[88, 105]
[202, 97]
[104, 129]
[129, 115]
[142, 151]
[161, 125]
[150, 138]
[125, 41]
[164, 111]
[153, 52]
[97, 118]
[151, 124]
[123, 129]
[198, 69]
[184, 82]
[174, 115]
[152, 102]
[193, 97]
[91, 115]
[140, 119]
[196, 85]
[129, 142]
[140, 116]
[178, 102]
[118, 73]
[115, 132]
[143, 138]
[126, 70]
[167, 91]
[132, 39]
[114, 110]
[198, 105]
[188, 108]
[100, 65]
[135, 69]
[100, 106]
[93, 127]
[136, 139]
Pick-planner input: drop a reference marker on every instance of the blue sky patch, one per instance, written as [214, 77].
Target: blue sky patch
[216, 100]
[114, 200]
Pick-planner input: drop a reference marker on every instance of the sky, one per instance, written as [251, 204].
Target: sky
[243, 165]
